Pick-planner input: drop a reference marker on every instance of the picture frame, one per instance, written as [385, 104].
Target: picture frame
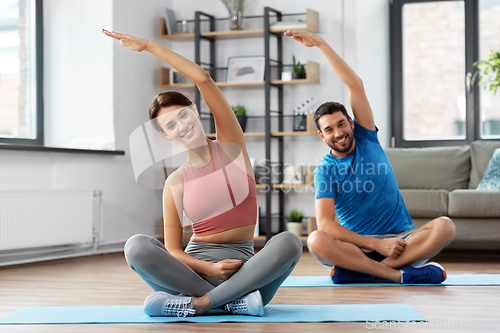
[176, 77]
[170, 21]
[245, 69]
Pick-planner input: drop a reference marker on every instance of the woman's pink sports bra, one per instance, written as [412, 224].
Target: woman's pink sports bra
[218, 196]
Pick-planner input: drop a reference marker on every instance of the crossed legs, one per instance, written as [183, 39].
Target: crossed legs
[265, 271]
[425, 242]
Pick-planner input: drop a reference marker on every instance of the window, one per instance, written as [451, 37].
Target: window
[21, 120]
[489, 32]
[433, 47]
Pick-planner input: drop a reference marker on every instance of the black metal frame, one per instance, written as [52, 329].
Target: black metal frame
[267, 88]
[472, 123]
[197, 57]
[268, 13]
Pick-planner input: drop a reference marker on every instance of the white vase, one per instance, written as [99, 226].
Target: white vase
[295, 227]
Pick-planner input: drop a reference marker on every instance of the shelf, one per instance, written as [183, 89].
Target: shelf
[310, 130]
[312, 20]
[312, 77]
[177, 36]
[262, 134]
[212, 135]
[233, 34]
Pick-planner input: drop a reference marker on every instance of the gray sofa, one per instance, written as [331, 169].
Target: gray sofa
[442, 181]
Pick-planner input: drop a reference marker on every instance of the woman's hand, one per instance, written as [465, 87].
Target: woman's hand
[305, 37]
[225, 268]
[133, 43]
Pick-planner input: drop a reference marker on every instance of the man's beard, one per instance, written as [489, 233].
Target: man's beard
[344, 148]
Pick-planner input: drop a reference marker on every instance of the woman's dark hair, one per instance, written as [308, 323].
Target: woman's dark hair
[329, 108]
[163, 100]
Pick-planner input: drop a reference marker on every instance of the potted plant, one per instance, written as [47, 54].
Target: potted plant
[298, 70]
[295, 222]
[489, 68]
[241, 114]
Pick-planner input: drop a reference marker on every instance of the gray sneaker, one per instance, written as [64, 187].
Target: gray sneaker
[162, 304]
[251, 304]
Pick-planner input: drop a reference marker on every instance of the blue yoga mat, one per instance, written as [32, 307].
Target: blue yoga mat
[273, 314]
[451, 280]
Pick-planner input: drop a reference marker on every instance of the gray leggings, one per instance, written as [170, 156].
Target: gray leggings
[264, 271]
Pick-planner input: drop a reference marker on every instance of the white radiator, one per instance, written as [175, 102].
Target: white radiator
[49, 218]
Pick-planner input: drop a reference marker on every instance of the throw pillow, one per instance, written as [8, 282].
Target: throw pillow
[491, 178]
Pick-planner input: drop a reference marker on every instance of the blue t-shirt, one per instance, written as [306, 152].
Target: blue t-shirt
[367, 197]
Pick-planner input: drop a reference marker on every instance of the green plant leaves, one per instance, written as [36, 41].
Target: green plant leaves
[490, 70]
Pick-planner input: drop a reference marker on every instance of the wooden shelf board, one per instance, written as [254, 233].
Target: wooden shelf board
[292, 133]
[176, 86]
[312, 19]
[236, 84]
[262, 134]
[297, 81]
[221, 34]
[179, 36]
[212, 135]
[240, 84]
[233, 34]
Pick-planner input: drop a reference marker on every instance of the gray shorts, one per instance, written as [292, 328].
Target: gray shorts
[213, 252]
[374, 255]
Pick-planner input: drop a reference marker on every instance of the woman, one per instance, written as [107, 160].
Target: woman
[216, 189]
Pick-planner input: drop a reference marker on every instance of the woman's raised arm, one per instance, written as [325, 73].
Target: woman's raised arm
[227, 126]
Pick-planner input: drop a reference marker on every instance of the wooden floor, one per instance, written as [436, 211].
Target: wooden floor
[107, 280]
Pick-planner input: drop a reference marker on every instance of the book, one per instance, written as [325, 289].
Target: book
[170, 21]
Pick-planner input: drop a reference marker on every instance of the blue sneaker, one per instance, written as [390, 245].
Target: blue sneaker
[342, 275]
[162, 304]
[431, 273]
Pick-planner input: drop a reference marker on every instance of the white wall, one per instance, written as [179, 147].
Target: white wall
[87, 75]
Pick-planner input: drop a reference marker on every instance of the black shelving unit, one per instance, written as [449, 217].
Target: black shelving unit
[206, 29]
[270, 14]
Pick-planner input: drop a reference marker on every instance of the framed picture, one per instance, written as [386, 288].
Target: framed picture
[245, 69]
[177, 78]
[170, 22]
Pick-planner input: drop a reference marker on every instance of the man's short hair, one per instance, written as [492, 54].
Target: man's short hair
[329, 108]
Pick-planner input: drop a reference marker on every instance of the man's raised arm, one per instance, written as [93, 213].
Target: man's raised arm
[357, 97]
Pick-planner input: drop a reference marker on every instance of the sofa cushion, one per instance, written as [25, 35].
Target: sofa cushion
[426, 203]
[491, 177]
[436, 168]
[481, 152]
[474, 203]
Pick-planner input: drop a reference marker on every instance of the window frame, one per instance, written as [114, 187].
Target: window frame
[38, 143]
[472, 114]
[39, 139]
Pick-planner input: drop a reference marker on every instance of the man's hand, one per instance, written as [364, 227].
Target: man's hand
[390, 247]
[224, 269]
[131, 42]
[305, 37]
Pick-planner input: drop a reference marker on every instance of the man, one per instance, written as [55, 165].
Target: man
[375, 237]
